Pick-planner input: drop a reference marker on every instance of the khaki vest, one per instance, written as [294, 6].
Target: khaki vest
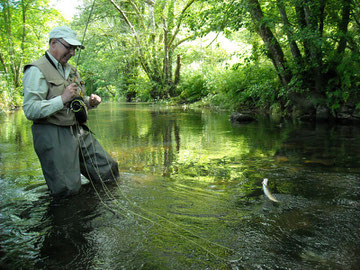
[57, 84]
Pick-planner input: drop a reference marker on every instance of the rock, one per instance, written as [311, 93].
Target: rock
[307, 118]
[356, 114]
[241, 118]
[347, 108]
[322, 113]
[347, 119]
[343, 116]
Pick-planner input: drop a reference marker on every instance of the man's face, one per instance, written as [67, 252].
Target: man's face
[61, 50]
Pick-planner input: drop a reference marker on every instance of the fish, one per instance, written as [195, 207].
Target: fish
[267, 191]
[324, 162]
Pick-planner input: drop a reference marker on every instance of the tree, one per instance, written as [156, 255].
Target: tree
[152, 31]
[22, 24]
[313, 45]
[274, 49]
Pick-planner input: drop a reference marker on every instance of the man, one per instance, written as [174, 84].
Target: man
[63, 143]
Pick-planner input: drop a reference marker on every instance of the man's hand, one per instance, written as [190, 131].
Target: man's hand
[69, 93]
[94, 100]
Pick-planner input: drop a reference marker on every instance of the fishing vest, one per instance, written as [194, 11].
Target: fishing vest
[56, 86]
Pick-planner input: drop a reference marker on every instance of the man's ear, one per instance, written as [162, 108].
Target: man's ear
[52, 42]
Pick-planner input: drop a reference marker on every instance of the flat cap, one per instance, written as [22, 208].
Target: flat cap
[67, 34]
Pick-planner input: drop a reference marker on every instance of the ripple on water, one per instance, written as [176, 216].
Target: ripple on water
[190, 197]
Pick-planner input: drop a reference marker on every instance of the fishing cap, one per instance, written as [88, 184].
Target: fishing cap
[67, 34]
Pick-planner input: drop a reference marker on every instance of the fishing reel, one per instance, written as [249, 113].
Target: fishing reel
[78, 106]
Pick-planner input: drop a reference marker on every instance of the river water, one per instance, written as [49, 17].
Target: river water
[189, 195]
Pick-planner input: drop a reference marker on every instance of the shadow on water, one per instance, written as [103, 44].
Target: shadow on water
[189, 197]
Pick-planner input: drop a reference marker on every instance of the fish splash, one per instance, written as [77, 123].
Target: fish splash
[267, 191]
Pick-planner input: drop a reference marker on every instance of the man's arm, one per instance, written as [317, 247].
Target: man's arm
[35, 104]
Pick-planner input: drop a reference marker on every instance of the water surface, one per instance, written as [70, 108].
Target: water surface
[189, 195]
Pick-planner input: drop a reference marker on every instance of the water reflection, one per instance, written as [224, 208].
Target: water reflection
[64, 226]
[189, 196]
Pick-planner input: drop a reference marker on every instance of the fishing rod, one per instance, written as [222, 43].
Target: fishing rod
[83, 38]
[111, 196]
[77, 105]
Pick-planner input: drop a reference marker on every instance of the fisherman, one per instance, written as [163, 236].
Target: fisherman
[56, 102]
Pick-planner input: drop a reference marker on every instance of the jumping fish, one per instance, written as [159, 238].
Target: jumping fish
[267, 191]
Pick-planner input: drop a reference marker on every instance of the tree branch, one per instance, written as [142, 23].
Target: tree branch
[137, 13]
[180, 21]
[142, 58]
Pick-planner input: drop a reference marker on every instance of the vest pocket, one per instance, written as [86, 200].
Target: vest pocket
[56, 88]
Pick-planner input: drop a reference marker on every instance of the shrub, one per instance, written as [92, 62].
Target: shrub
[141, 87]
[10, 98]
[192, 88]
[250, 85]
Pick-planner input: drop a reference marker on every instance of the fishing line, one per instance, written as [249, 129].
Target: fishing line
[78, 126]
[83, 38]
[110, 196]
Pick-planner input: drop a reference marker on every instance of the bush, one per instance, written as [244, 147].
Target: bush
[142, 88]
[344, 87]
[10, 98]
[192, 88]
[251, 85]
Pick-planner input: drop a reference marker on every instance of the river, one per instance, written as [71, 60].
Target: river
[189, 195]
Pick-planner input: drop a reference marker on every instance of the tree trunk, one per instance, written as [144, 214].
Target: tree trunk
[275, 52]
[2, 60]
[155, 45]
[293, 46]
[315, 46]
[300, 14]
[177, 71]
[321, 16]
[142, 58]
[7, 21]
[166, 54]
[23, 38]
[343, 25]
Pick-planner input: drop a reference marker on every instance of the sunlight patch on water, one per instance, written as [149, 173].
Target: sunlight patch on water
[189, 196]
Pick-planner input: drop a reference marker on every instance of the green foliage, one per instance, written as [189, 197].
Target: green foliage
[126, 39]
[192, 88]
[313, 45]
[22, 40]
[141, 87]
[249, 85]
[132, 49]
[106, 64]
[346, 82]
